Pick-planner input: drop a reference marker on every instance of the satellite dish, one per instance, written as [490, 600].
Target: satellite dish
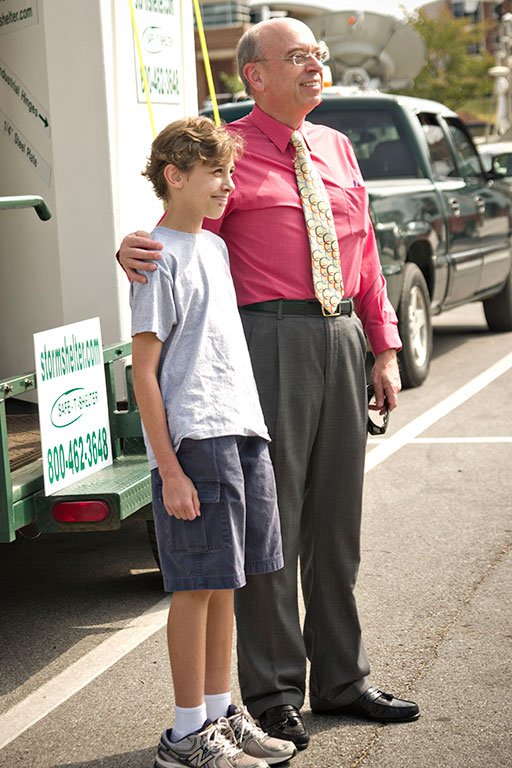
[391, 52]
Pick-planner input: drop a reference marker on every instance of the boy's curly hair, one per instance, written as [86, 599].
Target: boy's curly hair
[183, 143]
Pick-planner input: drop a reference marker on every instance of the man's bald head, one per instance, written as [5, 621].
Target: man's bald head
[262, 37]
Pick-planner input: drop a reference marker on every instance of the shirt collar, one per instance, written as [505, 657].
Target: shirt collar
[277, 132]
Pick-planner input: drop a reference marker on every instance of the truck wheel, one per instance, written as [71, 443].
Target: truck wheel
[498, 309]
[150, 524]
[415, 326]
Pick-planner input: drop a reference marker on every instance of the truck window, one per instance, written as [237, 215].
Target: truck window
[502, 164]
[381, 149]
[469, 160]
[441, 156]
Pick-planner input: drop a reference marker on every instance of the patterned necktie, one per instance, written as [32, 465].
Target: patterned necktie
[323, 241]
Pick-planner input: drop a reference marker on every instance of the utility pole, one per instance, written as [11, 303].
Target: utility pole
[501, 74]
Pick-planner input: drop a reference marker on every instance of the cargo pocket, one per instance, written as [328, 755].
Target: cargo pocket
[357, 205]
[208, 532]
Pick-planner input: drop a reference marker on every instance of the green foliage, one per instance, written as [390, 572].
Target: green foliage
[452, 75]
[232, 82]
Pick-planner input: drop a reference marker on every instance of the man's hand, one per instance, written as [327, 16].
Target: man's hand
[386, 379]
[135, 252]
[180, 497]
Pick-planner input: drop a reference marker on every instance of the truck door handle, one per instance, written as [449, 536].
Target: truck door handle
[480, 204]
[455, 206]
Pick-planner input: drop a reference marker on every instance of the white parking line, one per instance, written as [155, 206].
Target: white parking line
[71, 680]
[60, 688]
[441, 440]
[423, 422]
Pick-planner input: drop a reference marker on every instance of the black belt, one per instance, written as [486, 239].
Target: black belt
[306, 307]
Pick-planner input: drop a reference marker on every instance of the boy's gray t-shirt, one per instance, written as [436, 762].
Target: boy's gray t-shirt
[205, 372]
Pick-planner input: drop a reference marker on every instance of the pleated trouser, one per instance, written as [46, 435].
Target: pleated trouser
[310, 373]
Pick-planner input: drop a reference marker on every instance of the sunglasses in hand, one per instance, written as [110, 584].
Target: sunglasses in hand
[377, 422]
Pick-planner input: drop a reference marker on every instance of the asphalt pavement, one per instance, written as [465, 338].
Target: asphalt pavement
[434, 596]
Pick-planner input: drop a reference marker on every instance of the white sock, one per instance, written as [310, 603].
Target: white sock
[187, 720]
[217, 705]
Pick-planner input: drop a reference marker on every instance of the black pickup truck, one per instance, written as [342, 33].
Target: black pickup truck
[443, 224]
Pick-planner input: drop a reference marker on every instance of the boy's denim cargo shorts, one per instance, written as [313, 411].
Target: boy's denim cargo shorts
[238, 530]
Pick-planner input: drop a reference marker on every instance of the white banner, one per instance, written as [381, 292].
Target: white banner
[159, 31]
[73, 406]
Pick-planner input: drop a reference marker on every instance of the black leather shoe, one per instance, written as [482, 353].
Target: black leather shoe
[285, 722]
[377, 705]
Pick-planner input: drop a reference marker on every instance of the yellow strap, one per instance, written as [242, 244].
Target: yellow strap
[206, 60]
[142, 68]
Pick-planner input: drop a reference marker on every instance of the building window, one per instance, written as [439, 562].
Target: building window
[467, 9]
[229, 14]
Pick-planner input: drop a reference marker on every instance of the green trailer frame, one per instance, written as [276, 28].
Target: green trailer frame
[26, 201]
[124, 487]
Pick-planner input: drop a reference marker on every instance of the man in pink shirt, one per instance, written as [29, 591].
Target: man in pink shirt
[310, 371]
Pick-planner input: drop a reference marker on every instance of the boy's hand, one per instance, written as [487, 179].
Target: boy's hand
[180, 497]
[135, 251]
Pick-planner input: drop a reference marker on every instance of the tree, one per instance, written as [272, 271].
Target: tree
[452, 75]
[232, 82]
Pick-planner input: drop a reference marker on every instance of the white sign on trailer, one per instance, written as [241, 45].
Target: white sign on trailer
[73, 407]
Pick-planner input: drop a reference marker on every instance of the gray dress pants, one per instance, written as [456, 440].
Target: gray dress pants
[310, 373]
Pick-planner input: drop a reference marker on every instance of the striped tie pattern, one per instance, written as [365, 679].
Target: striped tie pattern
[323, 241]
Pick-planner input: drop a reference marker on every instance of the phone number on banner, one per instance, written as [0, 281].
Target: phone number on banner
[81, 452]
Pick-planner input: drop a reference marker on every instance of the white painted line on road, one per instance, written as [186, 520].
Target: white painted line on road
[461, 440]
[59, 689]
[425, 420]
[71, 680]
[441, 440]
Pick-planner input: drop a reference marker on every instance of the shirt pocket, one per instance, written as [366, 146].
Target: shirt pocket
[357, 209]
[207, 533]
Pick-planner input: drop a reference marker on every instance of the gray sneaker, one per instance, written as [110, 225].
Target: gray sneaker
[207, 748]
[253, 740]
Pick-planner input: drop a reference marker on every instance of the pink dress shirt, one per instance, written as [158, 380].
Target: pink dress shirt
[264, 230]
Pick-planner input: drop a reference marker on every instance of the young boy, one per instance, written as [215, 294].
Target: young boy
[213, 487]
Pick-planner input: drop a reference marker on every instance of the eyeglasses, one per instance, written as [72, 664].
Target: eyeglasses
[300, 59]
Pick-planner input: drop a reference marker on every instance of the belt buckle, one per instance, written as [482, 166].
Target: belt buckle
[325, 313]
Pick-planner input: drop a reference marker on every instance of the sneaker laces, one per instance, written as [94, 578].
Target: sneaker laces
[217, 741]
[242, 725]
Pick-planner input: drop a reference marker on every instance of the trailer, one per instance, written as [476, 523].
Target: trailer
[97, 502]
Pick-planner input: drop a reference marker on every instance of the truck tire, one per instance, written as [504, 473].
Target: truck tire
[150, 524]
[415, 326]
[498, 309]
